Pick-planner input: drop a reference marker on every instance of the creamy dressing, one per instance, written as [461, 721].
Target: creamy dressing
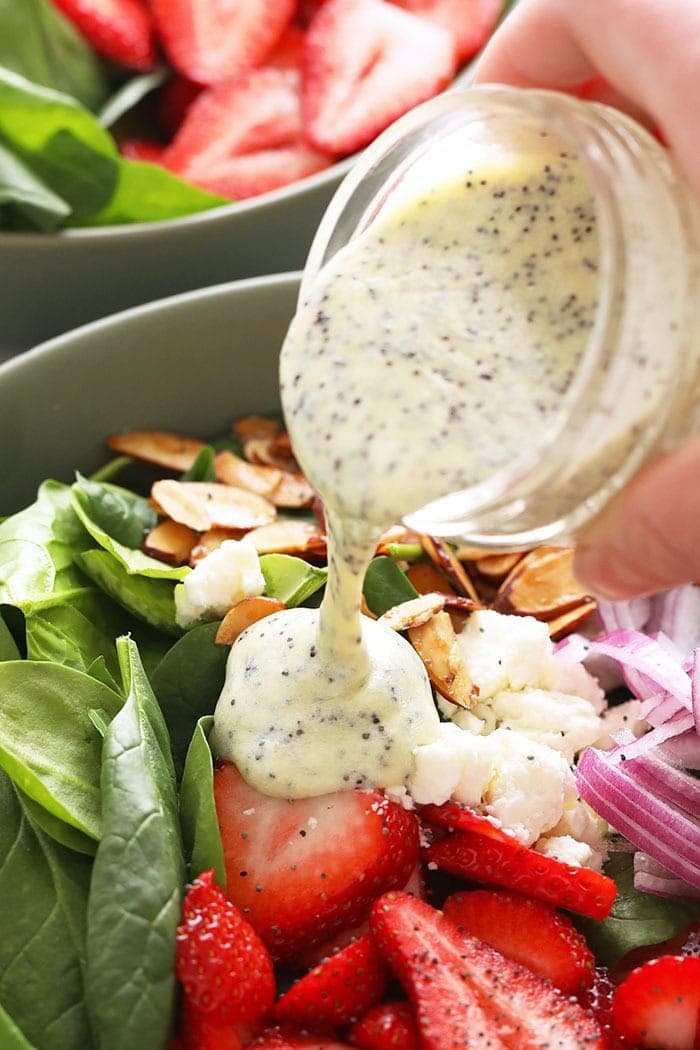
[430, 352]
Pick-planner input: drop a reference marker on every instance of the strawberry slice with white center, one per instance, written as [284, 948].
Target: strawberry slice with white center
[120, 30]
[303, 869]
[367, 62]
[212, 40]
[244, 137]
[658, 1004]
[471, 21]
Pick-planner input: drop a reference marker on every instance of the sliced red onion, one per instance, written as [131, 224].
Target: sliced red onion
[677, 614]
[682, 789]
[676, 725]
[630, 615]
[683, 751]
[574, 648]
[659, 709]
[657, 669]
[652, 877]
[695, 689]
[653, 825]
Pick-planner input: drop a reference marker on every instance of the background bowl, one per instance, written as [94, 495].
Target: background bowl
[189, 364]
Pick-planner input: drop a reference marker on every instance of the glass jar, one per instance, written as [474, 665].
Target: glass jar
[635, 390]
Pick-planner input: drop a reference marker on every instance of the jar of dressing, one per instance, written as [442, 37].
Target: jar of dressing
[559, 249]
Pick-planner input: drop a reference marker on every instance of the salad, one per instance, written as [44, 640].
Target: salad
[127, 111]
[152, 898]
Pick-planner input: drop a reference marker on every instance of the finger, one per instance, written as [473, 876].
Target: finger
[648, 51]
[647, 538]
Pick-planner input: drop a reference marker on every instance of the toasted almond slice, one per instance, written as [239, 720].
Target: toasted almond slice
[436, 643]
[203, 505]
[211, 540]
[157, 446]
[293, 490]
[170, 541]
[288, 537]
[282, 445]
[244, 613]
[414, 612]
[444, 557]
[570, 621]
[262, 450]
[232, 470]
[255, 426]
[542, 584]
[497, 566]
[427, 578]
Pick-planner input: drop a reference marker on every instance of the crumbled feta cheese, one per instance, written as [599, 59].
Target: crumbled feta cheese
[570, 676]
[565, 723]
[504, 652]
[580, 822]
[569, 851]
[438, 767]
[621, 716]
[218, 581]
[399, 794]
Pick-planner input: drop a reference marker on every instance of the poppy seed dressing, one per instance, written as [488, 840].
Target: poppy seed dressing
[427, 355]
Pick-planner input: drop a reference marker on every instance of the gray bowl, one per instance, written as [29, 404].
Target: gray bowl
[189, 364]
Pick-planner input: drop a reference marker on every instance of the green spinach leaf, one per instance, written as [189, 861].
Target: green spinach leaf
[290, 580]
[150, 600]
[138, 877]
[8, 646]
[10, 1036]
[129, 95]
[25, 201]
[43, 898]
[48, 744]
[200, 824]
[386, 585]
[56, 828]
[187, 683]
[27, 573]
[203, 467]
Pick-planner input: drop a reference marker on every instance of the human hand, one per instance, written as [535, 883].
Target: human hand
[642, 56]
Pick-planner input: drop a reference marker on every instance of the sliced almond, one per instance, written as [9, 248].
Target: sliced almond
[263, 450]
[288, 537]
[232, 470]
[171, 542]
[497, 566]
[157, 446]
[203, 505]
[440, 552]
[243, 614]
[282, 445]
[542, 584]
[255, 426]
[427, 578]
[292, 490]
[414, 612]
[570, 621]
[211, 540]
[436, 643]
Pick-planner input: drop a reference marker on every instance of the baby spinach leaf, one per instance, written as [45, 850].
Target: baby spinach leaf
[386, 585]
[148, 599]
[129, 95]
[108, 510]
[290, 580]
[187, 683]
[8, 646]
[25, 200]
[203, 467]
[200, 825]
[48, 744]
[40, 44]
[137, 882]
[55, 828]
[117, 520]
[27, 573]
[112, 468]
[636, 919]
[149, 193]
[43, 898]
[10, 1036]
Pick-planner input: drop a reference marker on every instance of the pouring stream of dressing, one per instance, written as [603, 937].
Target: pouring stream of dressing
[428, 354]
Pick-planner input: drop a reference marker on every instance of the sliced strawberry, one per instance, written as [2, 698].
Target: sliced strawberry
[212, 40]
[390, 1026]
[141, 149]
[336, 992]
[202, 1032]
[220, 961]
[366, 63]
[120, 30]
[276, 1040]
[288, 52]
[471, 21]
[466, 994]
[528, 931]
[658, 1004]
[597, 1001]
[244, 137]
[306, 9]
[480, 851]
[301, 870]
[174, 99]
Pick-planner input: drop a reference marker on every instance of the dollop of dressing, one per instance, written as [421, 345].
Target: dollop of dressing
[428, 353]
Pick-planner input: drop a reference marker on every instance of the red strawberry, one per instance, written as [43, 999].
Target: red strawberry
[337, 991]
[301, 870]
[306, 9]
[390, 1026]
[201, 1032]
[212, 40]
[366, 63]
[528, 931]
[220, 960]
[120, 30]
[244, 137]
[471, 21]
[141, 149]
[288, 52]
[597, 1001]
[658, 1004]
[480, 851]
[466, 994]
[174, 99]
[276, 1040]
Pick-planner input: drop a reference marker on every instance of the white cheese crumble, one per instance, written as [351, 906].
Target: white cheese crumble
[218, 582]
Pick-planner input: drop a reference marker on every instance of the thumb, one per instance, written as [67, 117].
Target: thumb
[648, 537]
